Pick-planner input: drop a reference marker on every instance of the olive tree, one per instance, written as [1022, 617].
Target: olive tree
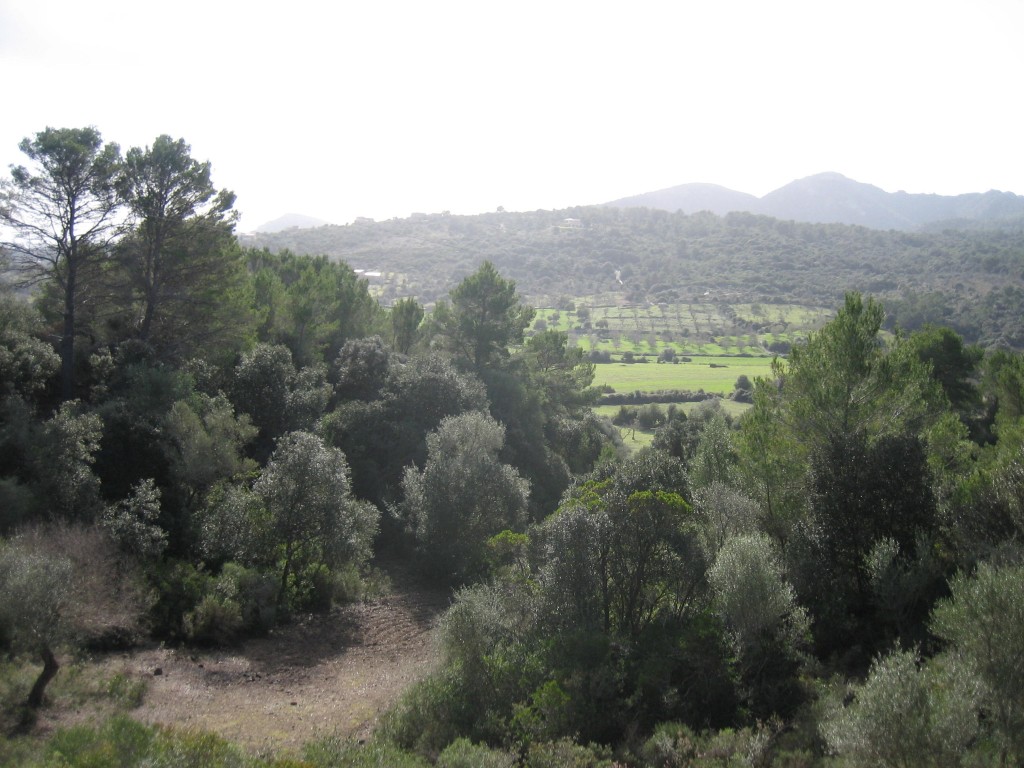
[983, 621]
[905, 714]
[618, 562]
[310, 517]
[463, 495]
[64, 584]
[768, 628]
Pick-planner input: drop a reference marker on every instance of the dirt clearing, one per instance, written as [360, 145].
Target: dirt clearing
[322, 675]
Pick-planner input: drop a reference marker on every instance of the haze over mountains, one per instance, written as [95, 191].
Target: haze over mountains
[831, 198]
[291, 221]
[825, 198]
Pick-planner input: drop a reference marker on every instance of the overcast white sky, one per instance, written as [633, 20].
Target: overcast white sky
[378, 108]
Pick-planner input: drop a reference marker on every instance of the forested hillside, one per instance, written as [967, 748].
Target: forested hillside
[972, 281]
[203, 441]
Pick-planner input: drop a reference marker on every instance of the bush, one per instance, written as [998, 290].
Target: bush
[122, 743]
[125, 690]
[982, 620]
[462, 753]
[624, 417]
[215, 621]
[180, 588]
[463, 495]
[650, 417]
[254, 592]
[565, 753]
[431, 714]
[335, 752]
[672, 745]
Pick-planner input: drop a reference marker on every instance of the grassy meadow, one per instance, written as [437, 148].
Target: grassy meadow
[710, 374]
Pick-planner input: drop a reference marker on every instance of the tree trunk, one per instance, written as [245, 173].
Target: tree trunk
[67, 340]
[50, 667]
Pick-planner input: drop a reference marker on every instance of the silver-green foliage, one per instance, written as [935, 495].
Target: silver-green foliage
[26, 363]
[300, 516]
[752, 595]
[715, 457]
[723, 512]
[205, 440]
[983, 621]
[311, 516]
[619, 563]
[35, 591]
[575, 542]
[132, 522]
[464, 494]
[905, 714]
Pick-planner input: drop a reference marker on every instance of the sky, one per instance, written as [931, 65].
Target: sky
[381, 108]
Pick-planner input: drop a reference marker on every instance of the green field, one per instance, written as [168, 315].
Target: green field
[693, 376]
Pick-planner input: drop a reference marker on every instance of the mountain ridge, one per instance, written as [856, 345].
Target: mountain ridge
[832, 198]
[290, 221]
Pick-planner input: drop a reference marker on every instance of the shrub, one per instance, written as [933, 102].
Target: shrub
[431, 714]
[122, 743]
[254, 592]
[125, 690]
[336, 752]
[982, 620]
[672, 745]
[462, 753]
[650, 417]
[215, 621]
[180, 588]
[565, 753]
[463, 495]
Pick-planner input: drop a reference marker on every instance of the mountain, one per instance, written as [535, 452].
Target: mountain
[692, 197]
[831, 198]
[291, 221]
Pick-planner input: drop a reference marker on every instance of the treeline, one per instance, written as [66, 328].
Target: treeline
[971, 281]
[835, 578]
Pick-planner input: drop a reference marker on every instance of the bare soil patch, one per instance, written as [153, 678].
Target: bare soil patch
[321, 675]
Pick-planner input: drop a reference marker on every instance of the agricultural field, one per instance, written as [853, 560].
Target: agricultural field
[710, 374]
[722, 341]
[606, 323]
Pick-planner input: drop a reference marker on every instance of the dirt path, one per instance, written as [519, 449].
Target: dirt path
[319, 676]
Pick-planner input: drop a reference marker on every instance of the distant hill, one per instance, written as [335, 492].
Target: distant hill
[971, 280]
[691, 198]
[831, 198]
[291, 221]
